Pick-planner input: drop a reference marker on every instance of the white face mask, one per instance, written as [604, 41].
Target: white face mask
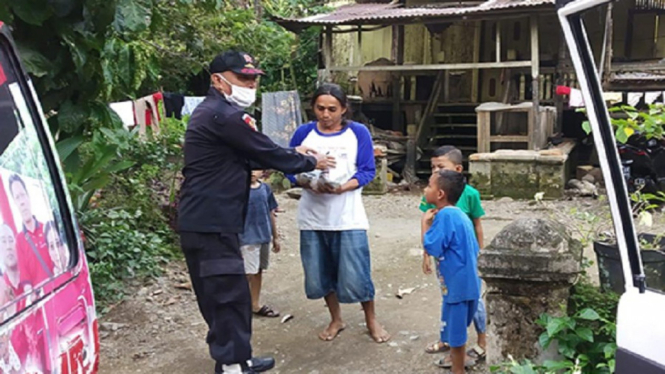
[242, 96]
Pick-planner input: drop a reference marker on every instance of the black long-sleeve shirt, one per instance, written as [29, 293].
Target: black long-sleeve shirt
[221, 146]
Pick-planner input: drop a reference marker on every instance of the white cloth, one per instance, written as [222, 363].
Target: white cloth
[634, 98]
[651, 96]
[191, 102]
[125, 110]
[575, 100]
[613, 97]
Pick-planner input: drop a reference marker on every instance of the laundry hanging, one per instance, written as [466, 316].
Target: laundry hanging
[125, 110]
[173, 104]
[634, 98]
[651, 97]
[191, 102]
[147, 112]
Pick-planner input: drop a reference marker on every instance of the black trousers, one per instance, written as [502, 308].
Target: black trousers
[218, 277]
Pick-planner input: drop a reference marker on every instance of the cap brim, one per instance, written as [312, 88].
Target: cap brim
[249, 71]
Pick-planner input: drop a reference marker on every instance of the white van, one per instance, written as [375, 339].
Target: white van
[47, 313]
[640, 326]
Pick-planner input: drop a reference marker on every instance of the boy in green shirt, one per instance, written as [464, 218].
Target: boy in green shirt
[450, 158]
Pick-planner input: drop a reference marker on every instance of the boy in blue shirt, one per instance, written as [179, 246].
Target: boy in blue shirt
[260, 230]
[450, 158]
[449, 237]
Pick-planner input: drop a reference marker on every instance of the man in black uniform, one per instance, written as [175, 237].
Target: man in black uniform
[221, 147]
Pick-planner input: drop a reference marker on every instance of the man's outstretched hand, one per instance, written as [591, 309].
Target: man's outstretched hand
[323, 162]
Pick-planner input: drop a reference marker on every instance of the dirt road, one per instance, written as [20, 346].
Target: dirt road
[159, 329]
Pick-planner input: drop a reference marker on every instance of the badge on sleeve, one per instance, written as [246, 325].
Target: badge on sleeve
[250, 121]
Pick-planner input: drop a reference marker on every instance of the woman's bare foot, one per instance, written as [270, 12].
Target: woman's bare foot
[332, 331]
[377, 332]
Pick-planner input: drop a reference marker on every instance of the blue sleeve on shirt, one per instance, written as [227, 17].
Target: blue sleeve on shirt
[438, 236]
[297, 139]
[272, 202]
[365, 160]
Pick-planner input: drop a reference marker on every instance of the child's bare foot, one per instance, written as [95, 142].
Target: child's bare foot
[377, 332]
[332, 331]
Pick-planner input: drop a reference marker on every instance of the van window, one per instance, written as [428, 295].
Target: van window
[33, 245]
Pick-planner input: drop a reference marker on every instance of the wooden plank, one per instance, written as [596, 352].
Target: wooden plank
[476, 58]
[509, 139]
[454, 136]
[535, 83]
[457, 66]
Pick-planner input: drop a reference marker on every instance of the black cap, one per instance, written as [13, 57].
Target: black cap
[237, 62]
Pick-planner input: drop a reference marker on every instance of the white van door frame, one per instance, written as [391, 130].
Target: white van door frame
[640, 327]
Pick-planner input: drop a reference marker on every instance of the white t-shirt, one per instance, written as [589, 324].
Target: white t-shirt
[354, 153]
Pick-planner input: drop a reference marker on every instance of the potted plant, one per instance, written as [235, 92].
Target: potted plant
[652, 248]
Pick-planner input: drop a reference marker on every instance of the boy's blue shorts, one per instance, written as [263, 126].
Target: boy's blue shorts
[455, 318]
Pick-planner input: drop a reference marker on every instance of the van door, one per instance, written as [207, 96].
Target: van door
[640, 329]
[47, 316]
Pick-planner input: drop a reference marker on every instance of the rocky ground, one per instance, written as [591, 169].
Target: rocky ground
[158, 328]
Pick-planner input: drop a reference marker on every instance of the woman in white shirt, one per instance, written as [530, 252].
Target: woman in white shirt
[333, 224]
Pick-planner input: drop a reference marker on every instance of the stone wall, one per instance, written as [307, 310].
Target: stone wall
[520, 174]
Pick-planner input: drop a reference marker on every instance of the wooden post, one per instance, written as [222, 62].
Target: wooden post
[535, 81]
[328, 53]
[397, 52]
[483, 129]
[360, 44]
[409, 174]
[628, 46]
[476, 58]
[606, 58]
[498, 41]
[561, 74]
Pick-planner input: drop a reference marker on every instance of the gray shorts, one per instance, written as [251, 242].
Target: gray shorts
[256, 257]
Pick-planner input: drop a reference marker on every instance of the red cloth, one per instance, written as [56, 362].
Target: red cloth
[562, 90]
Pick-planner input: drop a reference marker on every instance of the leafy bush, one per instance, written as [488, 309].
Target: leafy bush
[634, 122]
[585, 338]
[127, 228]
[118, 250]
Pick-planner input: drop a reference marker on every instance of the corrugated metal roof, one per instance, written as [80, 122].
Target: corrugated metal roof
[387, 13]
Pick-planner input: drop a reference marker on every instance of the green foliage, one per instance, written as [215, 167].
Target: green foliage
[118, 249]
[92, 171]
[189, 36]
[83, 54]
[127, 225]
[632, 121]
[585, 338]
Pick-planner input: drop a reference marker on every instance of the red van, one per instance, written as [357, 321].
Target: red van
[48, 322]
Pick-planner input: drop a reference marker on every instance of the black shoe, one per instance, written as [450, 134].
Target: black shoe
[261, 364]
[258, 365]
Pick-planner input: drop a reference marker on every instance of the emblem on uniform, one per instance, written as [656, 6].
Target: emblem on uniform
[251, 122]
